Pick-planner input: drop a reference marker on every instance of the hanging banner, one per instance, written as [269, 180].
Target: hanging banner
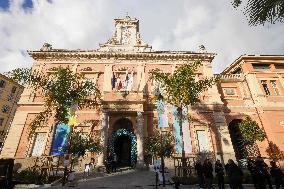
[60, 139]
[162, 114]
[176, 130]
[185, 130]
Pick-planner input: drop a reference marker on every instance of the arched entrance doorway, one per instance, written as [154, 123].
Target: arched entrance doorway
[237, 140]
[123, 142]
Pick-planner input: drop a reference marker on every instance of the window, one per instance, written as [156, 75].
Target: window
[265, 87]
[279, 66]
[2, 83]
[274, 86]
[13, 89]
[202, 140]
[261, 66]
[39, 144]
[1, 121]
[5, 109]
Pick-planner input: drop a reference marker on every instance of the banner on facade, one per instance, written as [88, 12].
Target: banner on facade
[162, 114]
[185, 130]
[60, 139]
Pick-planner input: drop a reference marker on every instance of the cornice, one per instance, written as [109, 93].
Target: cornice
[156, 55]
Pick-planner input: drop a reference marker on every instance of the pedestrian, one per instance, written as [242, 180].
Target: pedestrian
[219, 170]
[199, 171]
[109, 160]
[252, 169]
[208, 173]
[114, 162]
[235, 175]
[262, 173]
[277, 175]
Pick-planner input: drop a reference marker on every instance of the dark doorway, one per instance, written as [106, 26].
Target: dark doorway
[123, 123]
[122, 148]
[237, 139]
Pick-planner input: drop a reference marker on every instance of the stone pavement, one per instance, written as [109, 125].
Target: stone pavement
[129, 179]
[122, 180]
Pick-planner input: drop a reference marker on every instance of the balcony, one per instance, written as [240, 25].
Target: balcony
[229, 77]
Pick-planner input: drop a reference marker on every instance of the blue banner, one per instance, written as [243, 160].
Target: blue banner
[162, 114]
[176, 129]
[185, 131]
[60, 139]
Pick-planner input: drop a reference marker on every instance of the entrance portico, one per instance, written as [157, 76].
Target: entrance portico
[122, 132]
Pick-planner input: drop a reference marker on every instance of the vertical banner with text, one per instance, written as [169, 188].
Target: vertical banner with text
[185, 130]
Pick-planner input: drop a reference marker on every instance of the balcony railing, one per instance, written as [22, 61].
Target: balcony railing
[229, 76]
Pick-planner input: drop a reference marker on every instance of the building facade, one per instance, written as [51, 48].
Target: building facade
[10, 93]
[120, 68]
[253, 86]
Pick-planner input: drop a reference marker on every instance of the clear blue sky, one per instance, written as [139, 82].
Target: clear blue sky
[4, 4]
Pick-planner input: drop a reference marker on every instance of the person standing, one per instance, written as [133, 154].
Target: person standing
[208, 173]
[219, 170]
[235, 175]
[109, 163]
[262, 173]
[252, 169]
[199, 171]
[277, 174]
[114, 162]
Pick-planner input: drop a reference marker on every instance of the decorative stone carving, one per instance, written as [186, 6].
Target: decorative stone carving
[282, 123]
[46, 47]
[202, 49]
[126, 37]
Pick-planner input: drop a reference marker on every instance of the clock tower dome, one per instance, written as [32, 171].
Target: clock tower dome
[126, 37]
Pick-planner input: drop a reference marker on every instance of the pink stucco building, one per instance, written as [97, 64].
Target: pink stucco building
[252, 85]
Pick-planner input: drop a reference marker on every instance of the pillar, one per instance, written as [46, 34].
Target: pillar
[103, 140]
[140, 140]
[226, 150]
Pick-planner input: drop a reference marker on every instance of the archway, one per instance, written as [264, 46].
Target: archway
[123, 142]
[237, 140]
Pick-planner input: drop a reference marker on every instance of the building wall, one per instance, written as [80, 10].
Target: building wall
[9, 95]
[250, 98]
[238, 94]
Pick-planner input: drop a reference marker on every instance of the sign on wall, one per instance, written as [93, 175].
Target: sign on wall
[60, 139]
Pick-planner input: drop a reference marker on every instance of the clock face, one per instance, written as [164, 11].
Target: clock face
[126, 35]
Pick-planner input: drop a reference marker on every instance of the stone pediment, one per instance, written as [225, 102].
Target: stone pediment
[126, 37]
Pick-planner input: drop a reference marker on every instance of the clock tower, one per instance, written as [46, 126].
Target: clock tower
[126, 37]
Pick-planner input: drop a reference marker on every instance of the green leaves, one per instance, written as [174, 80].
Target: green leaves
[61, 89]
[153, 145]
[251, 131]
[262, 11]
[183, 87]
[79, 144]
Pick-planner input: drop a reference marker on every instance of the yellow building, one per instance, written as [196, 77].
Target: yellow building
[10, 92]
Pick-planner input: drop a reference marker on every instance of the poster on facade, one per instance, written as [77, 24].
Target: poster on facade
[162, 114]
[185, 130]
[60, 139]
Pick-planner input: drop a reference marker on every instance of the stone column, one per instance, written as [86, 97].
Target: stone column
[103, 141]
[140, 140]
[225, 150]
